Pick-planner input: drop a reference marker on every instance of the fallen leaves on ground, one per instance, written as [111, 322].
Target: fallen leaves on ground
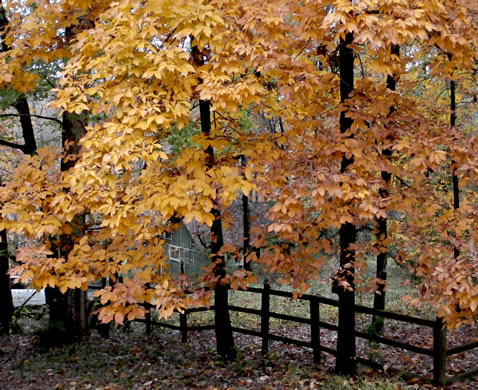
[133, 360]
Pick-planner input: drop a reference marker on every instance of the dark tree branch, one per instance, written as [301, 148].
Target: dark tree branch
[34, 116]
[301, 50]
[12, 145]
[49, 82]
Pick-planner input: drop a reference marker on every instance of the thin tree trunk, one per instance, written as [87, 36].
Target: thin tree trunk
[6, 303]
[455, 182]
[245, 224]
[6, 308]
[382, 234]
[222, 322]
[454, 177]
[224, 337]
[247, 236]
[346, 363]
[28, 147]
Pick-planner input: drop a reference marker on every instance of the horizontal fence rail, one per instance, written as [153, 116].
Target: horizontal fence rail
[394, 316]
[394, 343]
[462, 348]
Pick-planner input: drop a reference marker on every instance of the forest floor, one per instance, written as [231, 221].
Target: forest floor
[132, 360]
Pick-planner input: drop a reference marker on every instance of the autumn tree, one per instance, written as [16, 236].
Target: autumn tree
[184, 186]
[21, 49]
[410, 133]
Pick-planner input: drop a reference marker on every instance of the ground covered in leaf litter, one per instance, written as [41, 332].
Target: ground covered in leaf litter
[391, 357]
[132, 360]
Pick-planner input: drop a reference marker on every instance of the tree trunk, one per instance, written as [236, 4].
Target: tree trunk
[245, 223]
[222, 322]
[29, 147]
[70, 308]
[454, 177]
[6, 307]
[224, 338]
[382, 234]
[73, 131]
[346, 363]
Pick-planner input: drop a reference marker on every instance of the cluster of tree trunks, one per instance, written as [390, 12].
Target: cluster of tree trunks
[69, 308]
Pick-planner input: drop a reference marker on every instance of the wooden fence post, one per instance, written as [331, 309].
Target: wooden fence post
[439, 353]
[265, 311]
[183, 324]
[315, 328]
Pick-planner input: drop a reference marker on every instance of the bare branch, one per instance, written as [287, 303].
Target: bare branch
[34, 116]
[11, 145]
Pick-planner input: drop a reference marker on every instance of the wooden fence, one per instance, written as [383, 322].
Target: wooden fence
[438, 351]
